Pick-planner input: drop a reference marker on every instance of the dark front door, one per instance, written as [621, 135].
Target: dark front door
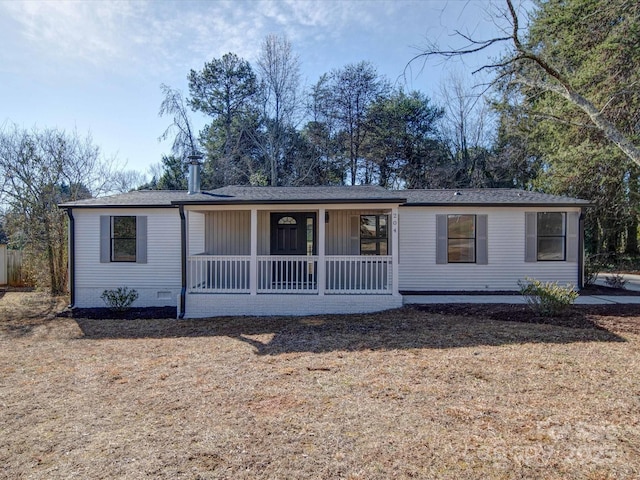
[293, 234]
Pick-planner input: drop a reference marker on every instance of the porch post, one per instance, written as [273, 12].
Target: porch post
[253, 264]
[321, 251]
[395, 249]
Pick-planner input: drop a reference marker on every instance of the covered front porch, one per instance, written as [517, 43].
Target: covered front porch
[290, 259]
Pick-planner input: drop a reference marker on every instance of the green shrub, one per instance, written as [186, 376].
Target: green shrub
[120, 299]
[547, 298]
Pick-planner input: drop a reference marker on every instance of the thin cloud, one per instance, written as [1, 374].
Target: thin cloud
[155, 37]
[72, 30]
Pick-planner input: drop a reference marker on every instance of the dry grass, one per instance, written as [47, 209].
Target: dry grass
[404, 394]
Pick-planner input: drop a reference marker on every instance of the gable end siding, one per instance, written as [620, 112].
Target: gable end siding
[157, 281]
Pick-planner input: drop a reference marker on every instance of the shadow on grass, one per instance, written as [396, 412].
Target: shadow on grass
[405, 328]
[20, 321]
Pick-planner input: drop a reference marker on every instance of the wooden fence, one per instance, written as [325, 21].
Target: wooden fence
[11, 267]
[14, 268]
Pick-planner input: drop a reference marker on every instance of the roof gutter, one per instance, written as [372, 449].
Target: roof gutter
[113, 205]
[183, 262]
[497, 204]
[72, 257]
[581, 250]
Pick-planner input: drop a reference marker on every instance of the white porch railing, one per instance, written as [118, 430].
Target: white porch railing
[218, 274]
[344, 274]
[359, 274]
[287, 274]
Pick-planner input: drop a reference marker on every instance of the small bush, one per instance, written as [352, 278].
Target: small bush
[547, 298]
[120, 299]
[591, 268]
[615, 281]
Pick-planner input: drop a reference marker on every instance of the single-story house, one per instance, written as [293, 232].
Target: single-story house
[242, 250]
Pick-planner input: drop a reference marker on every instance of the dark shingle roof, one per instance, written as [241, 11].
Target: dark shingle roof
[338, 194]
[487, 197]
[137, 198]
[233, 195]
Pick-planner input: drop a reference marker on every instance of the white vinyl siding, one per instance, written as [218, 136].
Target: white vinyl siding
[264, 232]
[505, 246]
[228, 232]
[160, 274]
[343, 232]
[195, 233]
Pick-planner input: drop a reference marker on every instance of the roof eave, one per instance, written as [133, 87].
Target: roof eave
[292, 201]
[497, 204]
[166, 205]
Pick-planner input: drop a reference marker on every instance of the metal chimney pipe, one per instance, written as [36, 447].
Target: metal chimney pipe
[194, 173]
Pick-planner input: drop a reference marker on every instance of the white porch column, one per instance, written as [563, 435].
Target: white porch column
[395, 249]
[253, 265]
[322, 267]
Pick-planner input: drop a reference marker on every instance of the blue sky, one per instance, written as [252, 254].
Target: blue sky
[97, 65]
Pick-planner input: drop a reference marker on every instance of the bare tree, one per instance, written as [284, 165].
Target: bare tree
[466, 131]
[173, 104]
[525, 66]
[127, 180]
[38, 170]
[279, 71]
[346, 96]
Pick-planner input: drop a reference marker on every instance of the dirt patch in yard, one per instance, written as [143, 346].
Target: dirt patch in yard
[436, 392]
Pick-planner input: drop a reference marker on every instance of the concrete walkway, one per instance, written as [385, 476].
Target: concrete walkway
[633, 284]
[515, 299]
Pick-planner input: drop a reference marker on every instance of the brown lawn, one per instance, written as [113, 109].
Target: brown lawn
[403, 394]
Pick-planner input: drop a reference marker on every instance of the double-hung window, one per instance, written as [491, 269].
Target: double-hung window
[123, 239]
[551, 236]
[373, 235]
[461, 238]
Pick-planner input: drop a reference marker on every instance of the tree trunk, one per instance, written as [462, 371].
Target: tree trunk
[631, 247]
[50, 260]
